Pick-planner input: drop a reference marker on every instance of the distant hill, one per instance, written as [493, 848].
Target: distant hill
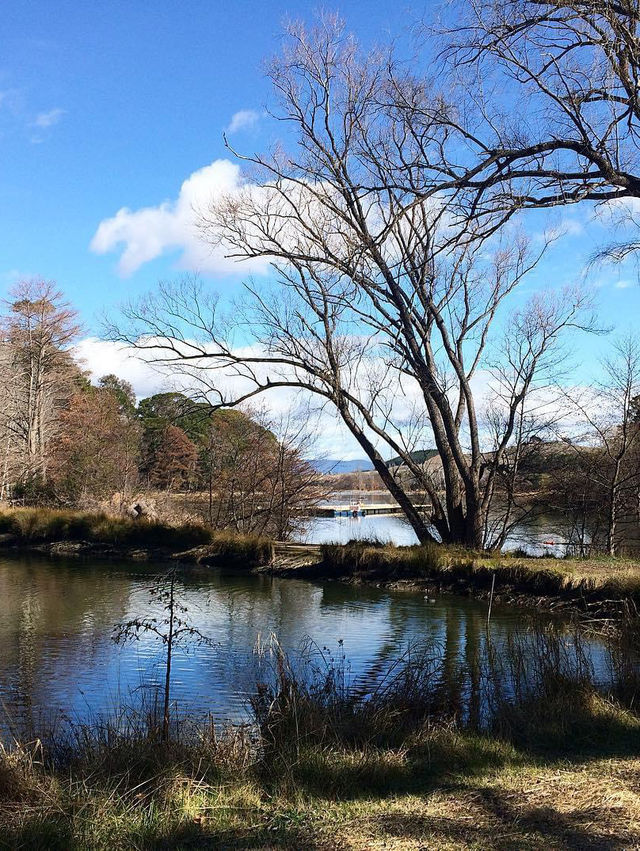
[419, 456]
[333, 465]
[363, 465]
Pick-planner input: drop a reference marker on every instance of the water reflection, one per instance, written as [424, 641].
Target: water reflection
[56, 620]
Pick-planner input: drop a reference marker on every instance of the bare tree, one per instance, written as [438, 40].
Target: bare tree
[259, 480]
[292, 485]
[611, 435]
[377, 294]
[547, 107]
[170, 625]
[37, 328]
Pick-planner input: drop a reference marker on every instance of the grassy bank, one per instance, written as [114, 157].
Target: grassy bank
[323, 768]
[587, 582]
[39, 527]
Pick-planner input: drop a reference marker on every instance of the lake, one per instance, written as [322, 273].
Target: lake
[57, 617]
[537, 538]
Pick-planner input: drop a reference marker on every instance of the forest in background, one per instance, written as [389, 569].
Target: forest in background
[68, 441]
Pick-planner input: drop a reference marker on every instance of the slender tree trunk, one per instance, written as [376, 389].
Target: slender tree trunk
[613, 510]
[167, 679]
[210, 496]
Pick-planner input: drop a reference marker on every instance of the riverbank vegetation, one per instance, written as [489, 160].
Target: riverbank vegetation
[373, 557]
[25, 527]
[603, 586]
[415, 760]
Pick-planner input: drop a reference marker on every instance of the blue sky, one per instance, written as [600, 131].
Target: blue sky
[111, 105]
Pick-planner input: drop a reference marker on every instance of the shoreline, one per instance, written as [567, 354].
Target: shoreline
[567, 586]
[598, 589]
[541, 588]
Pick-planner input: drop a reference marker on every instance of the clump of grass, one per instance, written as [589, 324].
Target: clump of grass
[613, 584]
[232, 549]
[565, 717]
[375, 559]
[20, 776]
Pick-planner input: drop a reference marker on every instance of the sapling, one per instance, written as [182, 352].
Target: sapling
[172, 628]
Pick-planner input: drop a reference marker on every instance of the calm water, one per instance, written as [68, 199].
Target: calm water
[56, 621]
[538, 539]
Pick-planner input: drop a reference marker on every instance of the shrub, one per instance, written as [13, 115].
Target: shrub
[376, 559]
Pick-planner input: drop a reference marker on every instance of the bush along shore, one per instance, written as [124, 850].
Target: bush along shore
[72, 533]
[435, 752]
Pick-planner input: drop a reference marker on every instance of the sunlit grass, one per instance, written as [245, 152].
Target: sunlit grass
[45, 525]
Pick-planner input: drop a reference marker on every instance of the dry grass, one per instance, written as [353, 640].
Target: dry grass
[489, 796]
[37, 525]
[594, 806]
[29, 526]
[585, 581]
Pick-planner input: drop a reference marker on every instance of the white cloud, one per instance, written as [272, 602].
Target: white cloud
[102, 357]
[623, 285]
[48, 119]
[244, 119]
[149, 232]
[177, 225]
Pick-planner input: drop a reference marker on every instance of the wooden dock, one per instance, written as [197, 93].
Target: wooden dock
[288, 556]
[359, 509]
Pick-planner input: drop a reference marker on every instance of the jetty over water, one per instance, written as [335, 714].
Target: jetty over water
[358, 509]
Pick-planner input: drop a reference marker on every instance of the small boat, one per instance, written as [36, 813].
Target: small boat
[355, 509]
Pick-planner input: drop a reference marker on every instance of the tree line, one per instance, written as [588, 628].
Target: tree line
[68, 441]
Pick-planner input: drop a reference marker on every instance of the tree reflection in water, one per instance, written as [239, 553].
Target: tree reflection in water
[56, 619]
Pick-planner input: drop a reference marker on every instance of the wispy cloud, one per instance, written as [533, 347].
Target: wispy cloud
[10, 98]
[48, 119]
[244, 119]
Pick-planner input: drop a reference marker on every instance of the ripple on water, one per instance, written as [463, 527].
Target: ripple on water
[57, 618]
